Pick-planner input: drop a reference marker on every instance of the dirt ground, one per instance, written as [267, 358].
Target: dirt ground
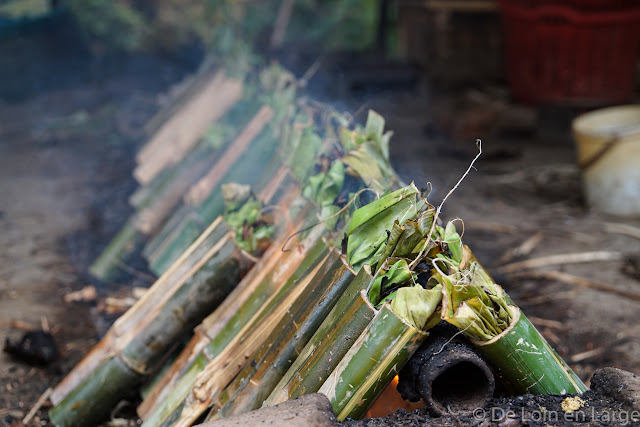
[69, 128]
[66, 156]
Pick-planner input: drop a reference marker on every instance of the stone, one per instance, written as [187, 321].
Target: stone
[311, 410]
[620, 385]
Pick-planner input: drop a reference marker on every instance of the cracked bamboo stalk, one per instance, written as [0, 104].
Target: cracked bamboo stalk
[267, 366]
[377, 356]
[182, 131]
[219, 328]
[121, 331]
[217, 373]
[334, 337]
[219, 272]
[526, 363]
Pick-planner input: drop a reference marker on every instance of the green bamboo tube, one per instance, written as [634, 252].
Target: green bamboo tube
[146, 351]
[142, 195]
[280, 349]
[82, 408]
[250, 169]
[219, 328]
[150, 217]
[194, 163]
[375, 358]
[220, 371]
[526, 363]
[209, 243]
[337, 333]
[200, 295]
[188, 230]
[145, 309]
[107, 266]
[170, 225]
[245, 321]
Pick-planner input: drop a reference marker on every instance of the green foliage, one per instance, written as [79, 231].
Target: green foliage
[368, 152]
[367, 233]
[337, 25]
[388, 280]
[115, 22]
[244, 216]
[17, 9]
[418, 306]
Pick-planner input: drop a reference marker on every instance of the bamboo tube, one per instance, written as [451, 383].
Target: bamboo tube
[375, 358]
[108, 381]
[150, 217]
[250, 169]
[526, 363]
[155, 204]
[226, 365]
[180, 93]
[480, 308]
[264, 369]
[335, 336]
[183, 130]
[213, 281]
[140, 314]
[241, 314]
[168, 232]
[273, 268]
[107, 266]
[201, 189]
[142, 195]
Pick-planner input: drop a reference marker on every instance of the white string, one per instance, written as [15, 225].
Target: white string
[439, 209]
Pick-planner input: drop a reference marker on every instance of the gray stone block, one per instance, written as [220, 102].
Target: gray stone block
[312, 410]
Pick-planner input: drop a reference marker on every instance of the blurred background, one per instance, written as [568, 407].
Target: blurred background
[80, 80]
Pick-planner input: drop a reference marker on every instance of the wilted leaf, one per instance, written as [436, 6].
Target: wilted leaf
[367, 231]
[417, 306]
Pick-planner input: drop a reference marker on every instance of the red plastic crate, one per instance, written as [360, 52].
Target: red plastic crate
[561, 54]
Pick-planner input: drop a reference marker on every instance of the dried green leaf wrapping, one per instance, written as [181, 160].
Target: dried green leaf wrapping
[367, 233]
[397, 274]
[242, 214]
[324, 187]
[454, 242]
[417, 306]
[473, 303]
[302, 151]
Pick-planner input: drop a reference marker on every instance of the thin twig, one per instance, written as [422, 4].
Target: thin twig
[282, 22]
[493, 227]
[579, 357]
[439, 209]
[524, 249]
[41, 401]
[560, 259]
[626, 229]
[577, 281]
[546, 322]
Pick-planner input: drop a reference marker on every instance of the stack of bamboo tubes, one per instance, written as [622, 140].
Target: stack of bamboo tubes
[332, 303]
